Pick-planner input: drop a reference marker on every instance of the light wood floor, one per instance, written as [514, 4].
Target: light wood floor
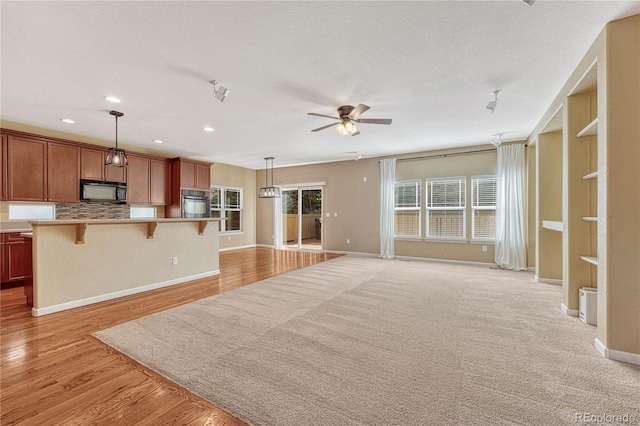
[53, 372]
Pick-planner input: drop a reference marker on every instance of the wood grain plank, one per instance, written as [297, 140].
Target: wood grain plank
[54, 372]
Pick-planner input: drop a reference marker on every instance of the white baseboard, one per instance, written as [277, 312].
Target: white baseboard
[238, 247]
[548, 280]
[459, 262]
[621, 356]
[567, 311]
[37, 312]
[354, 253]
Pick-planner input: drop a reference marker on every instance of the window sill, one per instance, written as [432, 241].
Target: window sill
[489, 242]
[406, 238]
[443, 240]
[231, 232]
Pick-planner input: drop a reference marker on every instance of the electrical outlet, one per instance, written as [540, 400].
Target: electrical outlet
[364, 179]
[174, 260]
[229, 237]
[484, 248]
[329, 214]
[348, 241]
[335, 214]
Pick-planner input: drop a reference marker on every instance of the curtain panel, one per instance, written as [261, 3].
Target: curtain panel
[387, 188]
[510, 246]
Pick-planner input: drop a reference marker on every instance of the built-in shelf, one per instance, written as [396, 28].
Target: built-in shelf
[590, 259]
[592, 175]
[590, 218]
[554, 225]
[591, 129]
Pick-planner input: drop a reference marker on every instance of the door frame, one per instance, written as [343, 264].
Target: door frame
[277, 214]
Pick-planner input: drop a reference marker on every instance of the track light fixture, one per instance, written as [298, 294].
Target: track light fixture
[492, 105]
[219, 92]
[529, 2]
[497, 141]
[268, 191]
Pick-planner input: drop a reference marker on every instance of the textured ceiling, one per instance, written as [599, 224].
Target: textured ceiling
[430, 66]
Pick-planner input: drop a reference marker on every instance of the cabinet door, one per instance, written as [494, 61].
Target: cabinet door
[14, 260]
[63, 170]
[160, 182]
[3, 168]
[138, 180]
[203, 177]
[115, 174]
[26, 169]
[187, 174]
[92, 164]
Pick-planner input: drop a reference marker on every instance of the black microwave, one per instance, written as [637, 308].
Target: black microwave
[97, 190]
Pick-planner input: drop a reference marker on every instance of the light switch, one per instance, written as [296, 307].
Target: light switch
[335, 214]
[364, 179]
[328, 214]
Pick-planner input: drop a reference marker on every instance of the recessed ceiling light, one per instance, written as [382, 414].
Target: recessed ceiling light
[67, 120]
[113, 99]
[208, 129]
[157, 141]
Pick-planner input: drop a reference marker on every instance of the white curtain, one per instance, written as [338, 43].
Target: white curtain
[387, 188]
[510, 227]
[277, 222]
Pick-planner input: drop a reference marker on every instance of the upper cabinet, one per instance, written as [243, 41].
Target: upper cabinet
[63, 173]
[193, 174]
[160, 182]
[38, 170]
[149, 180]
[93, 167]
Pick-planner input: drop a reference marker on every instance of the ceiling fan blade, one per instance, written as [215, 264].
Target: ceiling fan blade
[322, 115]
[374, 121]
[325, 127]
[357, 111]
[356, 133]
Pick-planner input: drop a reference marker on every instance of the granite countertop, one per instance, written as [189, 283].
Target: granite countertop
[11, 227]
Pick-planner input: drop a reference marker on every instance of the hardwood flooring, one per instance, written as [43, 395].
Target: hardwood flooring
[53, 372]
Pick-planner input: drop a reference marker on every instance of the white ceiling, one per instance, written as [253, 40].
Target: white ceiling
[430, 66]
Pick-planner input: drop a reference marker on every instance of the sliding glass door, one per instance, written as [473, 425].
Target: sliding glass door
[302, 218]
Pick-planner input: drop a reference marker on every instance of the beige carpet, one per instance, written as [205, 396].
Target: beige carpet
[363, 341]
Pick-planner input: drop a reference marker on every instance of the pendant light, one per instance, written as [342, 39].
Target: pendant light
[115, 156]
[268, 191]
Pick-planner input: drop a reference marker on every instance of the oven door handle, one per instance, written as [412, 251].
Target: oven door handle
[190, 197]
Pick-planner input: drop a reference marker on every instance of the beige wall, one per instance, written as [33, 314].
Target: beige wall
[116, 258]
[357, 203]
[238, 177]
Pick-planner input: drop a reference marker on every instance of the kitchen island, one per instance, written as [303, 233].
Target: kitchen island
[80, 262]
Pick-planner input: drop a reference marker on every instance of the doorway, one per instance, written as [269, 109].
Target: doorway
[302, 218]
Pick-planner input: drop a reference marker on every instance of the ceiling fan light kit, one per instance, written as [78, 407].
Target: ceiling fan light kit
[268, 191]
[347, 116]
[115, 156]
[494, 103]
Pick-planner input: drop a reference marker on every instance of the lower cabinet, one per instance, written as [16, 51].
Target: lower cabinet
[13, 259]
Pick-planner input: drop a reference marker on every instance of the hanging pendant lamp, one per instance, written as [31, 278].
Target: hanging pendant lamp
[269, 191]
[116, 156]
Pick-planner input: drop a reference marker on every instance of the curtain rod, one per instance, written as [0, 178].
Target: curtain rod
[422, 157]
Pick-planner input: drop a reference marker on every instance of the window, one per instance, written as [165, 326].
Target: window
[226, 204]
[137, 212]
[445, 205]
[483, 206]
[407, 218]
[31, 211]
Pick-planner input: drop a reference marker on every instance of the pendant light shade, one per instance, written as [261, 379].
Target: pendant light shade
[268, 191]
[115, 156]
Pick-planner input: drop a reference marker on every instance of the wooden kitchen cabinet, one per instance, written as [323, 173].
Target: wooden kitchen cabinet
[93, 167]
[63, 173]
[160, 182]
[138, 185]
[3, 168]
[193, 175]
[26, 169]
[13, 257]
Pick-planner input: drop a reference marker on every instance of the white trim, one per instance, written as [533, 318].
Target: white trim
[548, 280]
[581, 79]
[305, 185]
[614, 355]
[567, 311]
[355, 253]
[37, 312]
[238, 247]
[458, 262]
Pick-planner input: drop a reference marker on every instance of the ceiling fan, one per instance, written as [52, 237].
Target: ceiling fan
[347, 116]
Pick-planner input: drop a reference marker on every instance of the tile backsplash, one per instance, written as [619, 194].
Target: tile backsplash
[91, 210]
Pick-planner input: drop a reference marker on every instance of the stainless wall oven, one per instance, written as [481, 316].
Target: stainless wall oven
[195, 204]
